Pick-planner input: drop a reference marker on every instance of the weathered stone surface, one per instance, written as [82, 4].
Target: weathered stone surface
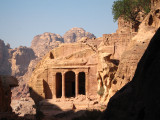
[41, 44]
[106, 70]
[75, 34]
[20, 59]
[23, 106]
[124, 26]
[133, 53]
[6, 82]
[5, 66]
[119, 42]
[139, 99]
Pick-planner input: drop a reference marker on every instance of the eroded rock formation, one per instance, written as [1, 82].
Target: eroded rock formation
[139, 99]
[41, 44]
[105, 73]
[134, 51]
[20, 59]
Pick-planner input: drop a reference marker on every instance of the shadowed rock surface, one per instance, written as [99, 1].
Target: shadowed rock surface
[140, 98]
[6, 83]
[5, 66]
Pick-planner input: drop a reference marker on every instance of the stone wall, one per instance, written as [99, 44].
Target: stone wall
[120, 42]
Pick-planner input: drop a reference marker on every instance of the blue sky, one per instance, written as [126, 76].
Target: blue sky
[21, 20]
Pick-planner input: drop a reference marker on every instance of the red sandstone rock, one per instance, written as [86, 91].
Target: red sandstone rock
[140, 98]
[134, 51]
[75, 34]
[41, 44]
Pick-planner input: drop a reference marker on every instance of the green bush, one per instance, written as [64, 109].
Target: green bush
[129, 9]
[101, 91]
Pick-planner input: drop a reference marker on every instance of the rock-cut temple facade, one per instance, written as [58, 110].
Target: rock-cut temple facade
[65, 72]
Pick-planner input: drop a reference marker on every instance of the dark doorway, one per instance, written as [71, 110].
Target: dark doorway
[58, 85]
[70, 84]
[81, 79]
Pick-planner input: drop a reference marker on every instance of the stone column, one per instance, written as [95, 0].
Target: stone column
[77, 86]
[87, 85]
[54, 86]
[63, 85]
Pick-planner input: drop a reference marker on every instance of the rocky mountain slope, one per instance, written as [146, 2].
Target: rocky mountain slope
[43, 43]
[20, 59]
[75, 34]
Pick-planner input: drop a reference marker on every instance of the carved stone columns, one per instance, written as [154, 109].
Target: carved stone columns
[87, 85]
[63, 85]
[76, 85]
[54, 86]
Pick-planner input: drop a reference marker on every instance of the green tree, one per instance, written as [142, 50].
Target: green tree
[130, 9]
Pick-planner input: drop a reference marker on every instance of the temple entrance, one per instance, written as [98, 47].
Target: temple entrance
[70, 84]
[58, 85]
[81, 79]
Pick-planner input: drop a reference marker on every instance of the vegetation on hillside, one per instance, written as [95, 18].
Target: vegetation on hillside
[129, 9]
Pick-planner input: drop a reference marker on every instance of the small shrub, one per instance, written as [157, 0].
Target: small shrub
[101, 91]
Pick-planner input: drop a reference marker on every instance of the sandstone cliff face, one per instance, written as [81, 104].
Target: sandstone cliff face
[20, 59]
[15, 62]
[5, 66]
[75, 34]
[140, 98]
[41, 44]
[134, 51]
[22, 90]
